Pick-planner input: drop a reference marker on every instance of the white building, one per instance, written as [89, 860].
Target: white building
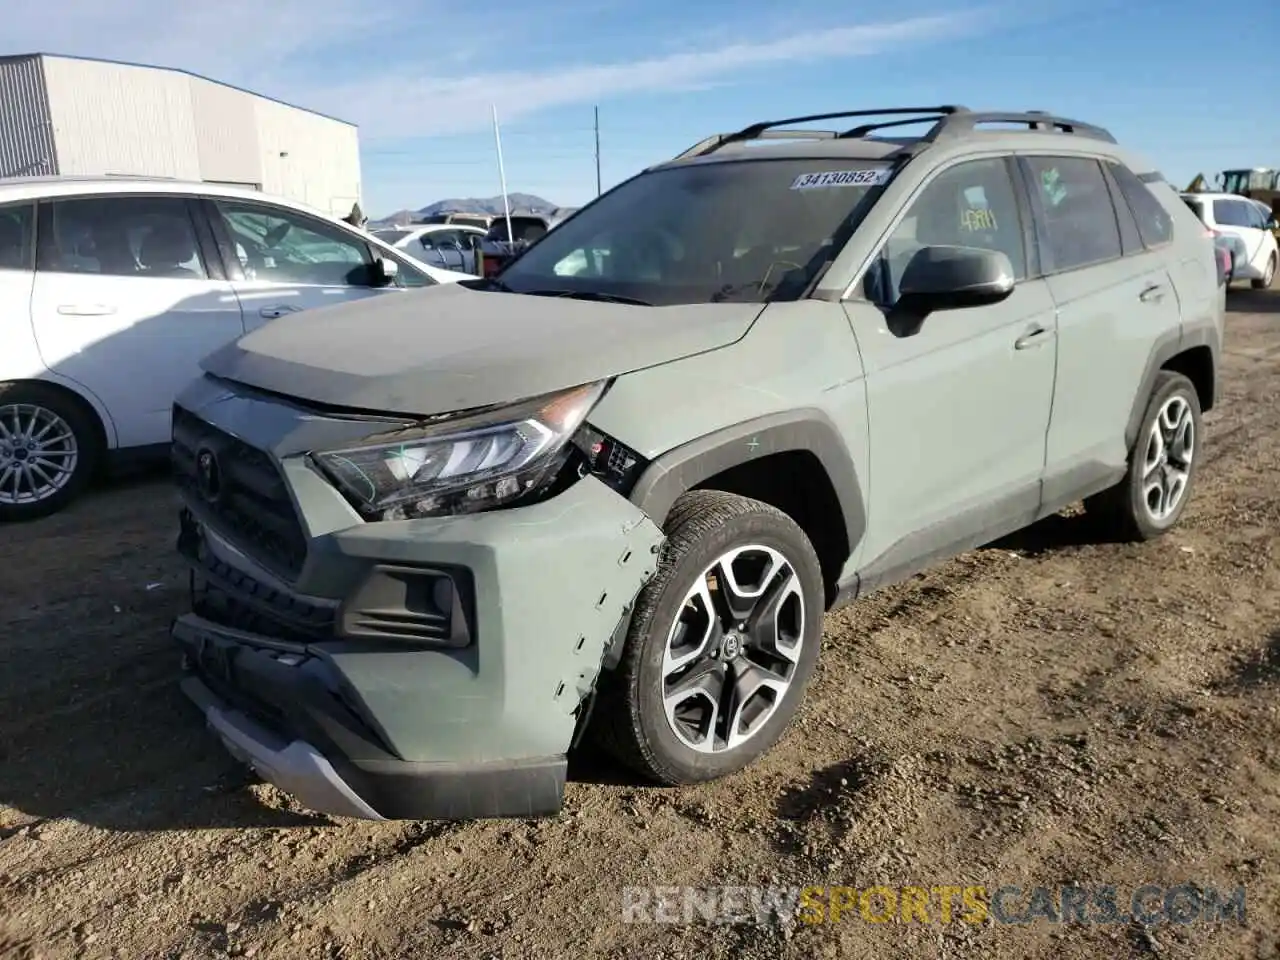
[74, 116]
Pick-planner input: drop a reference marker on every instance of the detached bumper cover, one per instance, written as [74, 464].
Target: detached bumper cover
[316, 750]
[294, 766]
[368, 726]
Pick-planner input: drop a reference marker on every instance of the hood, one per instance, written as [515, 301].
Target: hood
[450, 348]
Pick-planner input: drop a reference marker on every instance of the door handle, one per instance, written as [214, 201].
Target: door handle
[1032, 338]
[86, 309]
[1152, 294]
[273, 313]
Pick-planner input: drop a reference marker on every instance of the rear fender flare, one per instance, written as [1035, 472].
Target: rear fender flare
[1163, 350]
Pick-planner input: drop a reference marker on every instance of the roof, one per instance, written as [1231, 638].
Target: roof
[1219, 195]
[35, 188]
[950, 125]
[189, 73]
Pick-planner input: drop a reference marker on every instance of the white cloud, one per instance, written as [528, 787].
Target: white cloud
[391, 105]
[294, 50]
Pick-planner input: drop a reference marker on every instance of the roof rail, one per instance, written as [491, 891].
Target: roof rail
[948, 121]
[768, 131]
[966, 121]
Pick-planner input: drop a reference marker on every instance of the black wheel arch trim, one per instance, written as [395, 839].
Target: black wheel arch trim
[1165, 348]
[807, 430]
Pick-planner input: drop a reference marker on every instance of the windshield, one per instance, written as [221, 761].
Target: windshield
[526, 229]
[744, 230]
[391, 237]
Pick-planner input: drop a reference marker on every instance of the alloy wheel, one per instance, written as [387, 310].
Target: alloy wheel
[1166, 466]
[731, 654]
[38, 453]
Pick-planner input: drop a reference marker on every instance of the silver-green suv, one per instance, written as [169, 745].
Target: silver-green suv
[437, 538]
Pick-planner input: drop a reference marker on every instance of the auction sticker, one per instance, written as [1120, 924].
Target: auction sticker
[842, 178]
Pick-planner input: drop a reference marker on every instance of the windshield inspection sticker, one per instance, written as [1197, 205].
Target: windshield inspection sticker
[841, 178]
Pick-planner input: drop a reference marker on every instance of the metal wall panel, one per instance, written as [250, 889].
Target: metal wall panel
[226, 133]
[26, 133]
[105, 118]
[115, 118]
[308, 157]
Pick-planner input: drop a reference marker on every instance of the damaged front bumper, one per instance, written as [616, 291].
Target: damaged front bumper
[420, 669]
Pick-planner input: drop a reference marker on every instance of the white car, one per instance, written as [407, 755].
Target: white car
[111, 292]
[451, 246]
[1246, 225]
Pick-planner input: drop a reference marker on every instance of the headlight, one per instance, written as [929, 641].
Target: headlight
[461, 464]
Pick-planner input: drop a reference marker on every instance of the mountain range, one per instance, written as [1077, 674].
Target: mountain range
[520, 203]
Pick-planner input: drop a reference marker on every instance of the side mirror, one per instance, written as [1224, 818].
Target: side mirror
[385, 271]
[950, 278]
[1273, 224]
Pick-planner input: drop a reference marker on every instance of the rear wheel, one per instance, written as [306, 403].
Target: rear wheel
[49, 449]
[1268, 276]
[721, 646]
[1162, 466]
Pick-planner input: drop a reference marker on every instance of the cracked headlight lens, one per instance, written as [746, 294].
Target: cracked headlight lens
[461, 464]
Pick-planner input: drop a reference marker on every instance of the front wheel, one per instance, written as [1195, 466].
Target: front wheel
[1162, 465]
[1268, 276]
[721, 646]
[48, 450]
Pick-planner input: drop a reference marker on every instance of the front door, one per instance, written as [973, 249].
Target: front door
[958, 409]
[126, 301]
[282, 261]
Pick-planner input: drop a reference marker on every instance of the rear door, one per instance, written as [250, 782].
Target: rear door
[1114, 299]
[129, 295]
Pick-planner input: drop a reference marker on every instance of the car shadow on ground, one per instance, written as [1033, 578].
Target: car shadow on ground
[590, 764]
[1056, 532]
[1243, 299]
[93, 727]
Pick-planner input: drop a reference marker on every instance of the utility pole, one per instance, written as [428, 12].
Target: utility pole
[597, 109]
[502, 173]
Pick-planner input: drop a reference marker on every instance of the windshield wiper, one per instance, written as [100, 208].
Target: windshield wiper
[590, 295]
[486, 283]
[761, 288]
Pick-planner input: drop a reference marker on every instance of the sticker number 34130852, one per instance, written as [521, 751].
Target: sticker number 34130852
[841, 178]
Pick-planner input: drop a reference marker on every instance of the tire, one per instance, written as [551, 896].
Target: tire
[1268, 277]
[1124, 511]
[631, 721]
[53, 412]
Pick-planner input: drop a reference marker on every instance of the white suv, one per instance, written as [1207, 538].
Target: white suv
[111, 292]
[1246, 226]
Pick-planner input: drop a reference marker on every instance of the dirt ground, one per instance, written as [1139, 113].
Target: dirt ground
[1039, 712]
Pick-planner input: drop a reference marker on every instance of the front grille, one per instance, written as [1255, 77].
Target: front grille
[247, 501]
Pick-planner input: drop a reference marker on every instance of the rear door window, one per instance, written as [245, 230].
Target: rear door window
[1078, 219]
[150, 237]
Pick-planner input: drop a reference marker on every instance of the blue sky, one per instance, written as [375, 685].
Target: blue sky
[418, 76]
